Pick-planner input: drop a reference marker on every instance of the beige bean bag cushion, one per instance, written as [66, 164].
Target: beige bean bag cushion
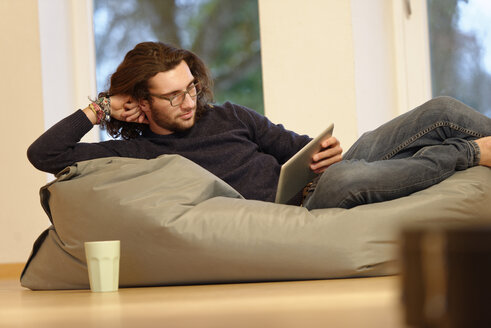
[180, 224]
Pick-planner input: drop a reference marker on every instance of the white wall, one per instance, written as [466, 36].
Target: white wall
[356, 63]
[48, 70]
[307, 53]
[22, 218]
[375, 71]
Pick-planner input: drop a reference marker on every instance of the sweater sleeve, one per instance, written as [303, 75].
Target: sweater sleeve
[272, 138]
[59, 146]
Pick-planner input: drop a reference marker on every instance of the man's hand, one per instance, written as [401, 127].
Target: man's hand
[125, 108]
[328, 155]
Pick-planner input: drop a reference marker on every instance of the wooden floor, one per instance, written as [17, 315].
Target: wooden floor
[363, 302]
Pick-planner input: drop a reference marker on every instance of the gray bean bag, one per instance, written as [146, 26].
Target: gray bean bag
[179, 224]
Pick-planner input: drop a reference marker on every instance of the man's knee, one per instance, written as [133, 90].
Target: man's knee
[445, 105]
[341, 185]
[443, 102]
[440, 109]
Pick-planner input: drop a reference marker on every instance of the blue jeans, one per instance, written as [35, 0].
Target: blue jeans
[409, 153]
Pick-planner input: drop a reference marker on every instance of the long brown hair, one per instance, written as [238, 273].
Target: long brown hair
[142, 63]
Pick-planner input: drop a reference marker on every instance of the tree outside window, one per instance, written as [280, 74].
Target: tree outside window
[225, 34]
[460, 44]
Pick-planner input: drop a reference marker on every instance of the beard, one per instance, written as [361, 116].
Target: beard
[173, 122]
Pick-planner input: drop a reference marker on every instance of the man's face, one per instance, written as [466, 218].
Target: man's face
[163, 117]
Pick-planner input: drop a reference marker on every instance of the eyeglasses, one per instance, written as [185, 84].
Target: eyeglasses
[193, 90]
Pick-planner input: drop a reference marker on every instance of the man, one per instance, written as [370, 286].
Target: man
[159, 103]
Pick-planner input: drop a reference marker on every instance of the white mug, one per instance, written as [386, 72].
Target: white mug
[103, 265]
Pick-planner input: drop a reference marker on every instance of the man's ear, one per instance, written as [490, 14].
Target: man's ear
[144, 105]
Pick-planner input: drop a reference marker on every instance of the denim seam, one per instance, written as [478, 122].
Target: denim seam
[429, 129]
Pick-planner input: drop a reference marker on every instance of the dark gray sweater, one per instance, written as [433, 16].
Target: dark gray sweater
[238, 145]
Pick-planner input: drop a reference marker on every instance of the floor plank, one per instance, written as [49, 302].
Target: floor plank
[363, 302]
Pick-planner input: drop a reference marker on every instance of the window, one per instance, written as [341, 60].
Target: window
[225, 34]
[460, 47]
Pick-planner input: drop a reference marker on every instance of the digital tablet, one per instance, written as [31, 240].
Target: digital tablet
[295, 174]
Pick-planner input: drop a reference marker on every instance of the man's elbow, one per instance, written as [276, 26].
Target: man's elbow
[37, 158]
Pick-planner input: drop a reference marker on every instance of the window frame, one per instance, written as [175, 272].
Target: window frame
[67, 59]
[411, 53]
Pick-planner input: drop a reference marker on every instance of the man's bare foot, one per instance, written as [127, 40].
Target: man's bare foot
[485, 147]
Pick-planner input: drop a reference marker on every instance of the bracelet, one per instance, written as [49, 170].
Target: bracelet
[99, 113]
[101, 107]
[104, 103]
[91, 107]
